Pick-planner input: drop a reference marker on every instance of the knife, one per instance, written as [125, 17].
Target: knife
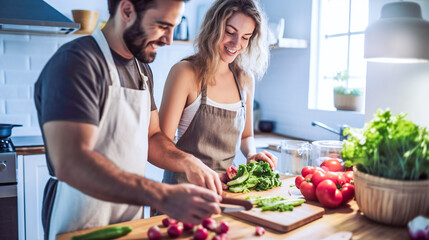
[235, 204]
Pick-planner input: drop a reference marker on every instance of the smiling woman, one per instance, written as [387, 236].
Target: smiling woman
[208, 97]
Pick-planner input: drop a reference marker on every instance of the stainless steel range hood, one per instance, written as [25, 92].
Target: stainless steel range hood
[33, 16]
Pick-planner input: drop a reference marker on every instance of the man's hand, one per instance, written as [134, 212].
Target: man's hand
[264, 156]
[189, 203]
[199, 174]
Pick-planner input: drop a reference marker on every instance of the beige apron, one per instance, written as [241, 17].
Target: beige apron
[123, 138]
[212, 136]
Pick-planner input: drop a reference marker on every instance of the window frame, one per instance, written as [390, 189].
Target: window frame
[318, 79]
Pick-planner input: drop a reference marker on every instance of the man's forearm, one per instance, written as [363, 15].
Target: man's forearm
[99, 177]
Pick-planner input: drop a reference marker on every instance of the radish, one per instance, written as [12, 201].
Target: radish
[188, 226]
[223, 227]
[167, 221]
[419, 228]
[201, 233]
[210, 224]
[259, 231]
[154, 233]
[174, 230]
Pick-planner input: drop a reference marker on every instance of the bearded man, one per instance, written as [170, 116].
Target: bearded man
[94, 100]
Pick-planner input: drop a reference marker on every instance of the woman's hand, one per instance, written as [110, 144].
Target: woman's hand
[264, 156]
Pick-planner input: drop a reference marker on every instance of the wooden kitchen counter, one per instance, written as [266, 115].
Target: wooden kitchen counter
[345, 218]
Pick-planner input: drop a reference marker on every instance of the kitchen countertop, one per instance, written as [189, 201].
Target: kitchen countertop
[28, 145]
[346, 218]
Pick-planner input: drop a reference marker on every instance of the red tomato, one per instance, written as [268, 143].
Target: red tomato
[340, 179]
[298, 181]
[348, 176]
[231, 172]
[318, 177]
[348, 192]
[308, 190]
[333, 165]
[328, 194]
[307, 170]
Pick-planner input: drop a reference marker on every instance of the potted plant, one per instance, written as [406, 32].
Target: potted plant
[391, 168]
[346, 98]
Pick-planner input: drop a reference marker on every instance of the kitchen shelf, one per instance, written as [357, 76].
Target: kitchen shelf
[290, 43]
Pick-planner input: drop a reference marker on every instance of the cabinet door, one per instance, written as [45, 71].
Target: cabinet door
[35, 177]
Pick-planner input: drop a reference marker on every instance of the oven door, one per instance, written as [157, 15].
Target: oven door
[8, 212]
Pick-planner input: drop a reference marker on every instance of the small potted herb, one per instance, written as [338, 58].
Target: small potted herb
[391, 173]
[346, 98]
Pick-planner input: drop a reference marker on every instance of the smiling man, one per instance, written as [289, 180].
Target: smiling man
[100, 125]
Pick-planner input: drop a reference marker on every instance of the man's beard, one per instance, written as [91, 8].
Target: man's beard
[135, 39]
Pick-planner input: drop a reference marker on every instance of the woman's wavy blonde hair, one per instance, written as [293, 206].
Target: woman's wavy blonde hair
[253, 61]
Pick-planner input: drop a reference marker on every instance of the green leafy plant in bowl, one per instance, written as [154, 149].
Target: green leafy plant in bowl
[391, 173]
[389, 146]
[346, 98]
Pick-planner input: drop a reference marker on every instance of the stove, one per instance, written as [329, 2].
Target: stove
[6, 145]
[8, 191]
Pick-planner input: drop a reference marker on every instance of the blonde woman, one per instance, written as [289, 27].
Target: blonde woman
[208, 97]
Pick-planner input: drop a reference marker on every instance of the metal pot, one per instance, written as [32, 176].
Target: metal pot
[6, 129]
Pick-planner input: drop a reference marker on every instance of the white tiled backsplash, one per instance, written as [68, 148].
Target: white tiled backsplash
[22, 58]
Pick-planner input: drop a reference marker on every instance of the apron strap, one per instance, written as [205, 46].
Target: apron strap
[203, 93]
[105, 49]
[143, 78]
[238, 85]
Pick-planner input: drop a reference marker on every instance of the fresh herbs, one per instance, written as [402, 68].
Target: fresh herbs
[275, 203]
[254, 176]
[389, 146]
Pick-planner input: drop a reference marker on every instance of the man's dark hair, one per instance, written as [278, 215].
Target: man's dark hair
[139, 5]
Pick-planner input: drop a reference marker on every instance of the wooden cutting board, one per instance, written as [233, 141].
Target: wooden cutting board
[280, 221]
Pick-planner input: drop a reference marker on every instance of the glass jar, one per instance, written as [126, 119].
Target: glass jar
[295, 155]
[324, 150]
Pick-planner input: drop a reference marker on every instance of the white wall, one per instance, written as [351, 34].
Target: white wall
[23, 56]
[400, 87]
[283, 92]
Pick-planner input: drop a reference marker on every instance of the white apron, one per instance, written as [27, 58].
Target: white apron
[123, 138]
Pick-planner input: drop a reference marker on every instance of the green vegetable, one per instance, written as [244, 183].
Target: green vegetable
[239, 188]
[254, 176]
[275, 203]
[244, 175]
[105, 233]
[388, 146]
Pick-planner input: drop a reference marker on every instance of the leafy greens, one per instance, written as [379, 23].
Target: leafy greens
[275, 203]
[254, 176]
[388, 146]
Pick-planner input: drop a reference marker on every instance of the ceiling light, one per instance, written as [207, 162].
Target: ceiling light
[401, 35]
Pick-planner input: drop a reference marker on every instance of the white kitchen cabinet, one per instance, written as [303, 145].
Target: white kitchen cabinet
[32, 177]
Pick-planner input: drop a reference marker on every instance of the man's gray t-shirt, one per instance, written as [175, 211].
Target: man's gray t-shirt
[73, 84]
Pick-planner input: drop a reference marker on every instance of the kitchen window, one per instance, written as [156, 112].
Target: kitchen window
[337, 45]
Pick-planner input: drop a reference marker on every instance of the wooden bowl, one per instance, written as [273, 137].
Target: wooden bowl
[87, 19]
[388, 201]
